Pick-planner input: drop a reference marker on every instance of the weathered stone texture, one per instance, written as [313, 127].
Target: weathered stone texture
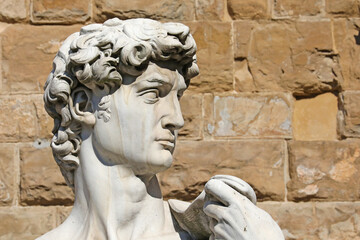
[244, 81]
[26, 223]
[210, 10]
[23, 118]
[316, 221]
[41, 180]
[324, 171]
[45, 122]
[182, 10]
[213, 40]
[252, 115]
[295, 57]
[343, 8]
[68, 11]
[27, 55]
[315, 118]
[208, 118]
[13, 10]
[294, 8]
[260, 163]
[191, 107]
[349, 114]
[242, 35]
[8, 174]
[347, 41]
[338, 220]
[254, 9]
[18, 120]
[296, 220]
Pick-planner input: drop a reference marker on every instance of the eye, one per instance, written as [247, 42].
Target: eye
[150, 95]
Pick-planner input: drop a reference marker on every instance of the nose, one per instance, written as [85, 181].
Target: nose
[172, 118]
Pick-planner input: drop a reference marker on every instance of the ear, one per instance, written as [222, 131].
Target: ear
[81, 106]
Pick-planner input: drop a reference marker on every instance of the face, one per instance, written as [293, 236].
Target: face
[144, 120]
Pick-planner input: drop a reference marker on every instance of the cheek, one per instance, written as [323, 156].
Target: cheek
[107, 142]
[132, 130]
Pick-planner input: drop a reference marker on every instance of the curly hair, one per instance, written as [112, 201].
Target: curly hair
[98, 56]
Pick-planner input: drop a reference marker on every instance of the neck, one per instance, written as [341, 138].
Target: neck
[111, 202]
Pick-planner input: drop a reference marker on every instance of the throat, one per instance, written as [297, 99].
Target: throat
[124, 207]
[111, 202]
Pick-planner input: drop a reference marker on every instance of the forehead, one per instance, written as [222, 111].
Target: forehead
[166, 72]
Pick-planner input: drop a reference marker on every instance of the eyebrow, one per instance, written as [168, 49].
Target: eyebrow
[157, 78]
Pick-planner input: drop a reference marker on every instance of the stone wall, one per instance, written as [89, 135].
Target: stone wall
[275, 104]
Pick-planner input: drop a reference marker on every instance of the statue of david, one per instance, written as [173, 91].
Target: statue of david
[114, 96]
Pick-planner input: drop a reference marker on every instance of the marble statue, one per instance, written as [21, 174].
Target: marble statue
[114, 96]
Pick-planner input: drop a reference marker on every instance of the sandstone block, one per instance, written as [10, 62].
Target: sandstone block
[317, 36]
[296, 220]
[45, 122]
[315, 118]
[182, 10]
[260, 163]
[24, 118]
[316, 221]
[324, 171]
[213, 56]
[290, 8]
[343, 8]
[244, 81]
[299, 58]
[254, 9]
[252, 115]
[211, 10]
[47, 11]
[338, 220]
[25, 223]
[41, 180]
[347, 40]
[28, 52]
[208, 110]
[242, 37]
[349, 114]
[18, 119]
[7, 174]
[191, 106]
[13, 11]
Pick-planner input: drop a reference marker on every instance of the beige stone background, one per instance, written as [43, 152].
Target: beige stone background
[276, 104]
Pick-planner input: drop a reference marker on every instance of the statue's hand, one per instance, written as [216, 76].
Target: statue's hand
[191, 217]
[230, 206]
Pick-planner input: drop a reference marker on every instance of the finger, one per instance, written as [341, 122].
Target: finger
[221, 233]
[212, 224]
[239, 185]
[223, 192]
[214, 210]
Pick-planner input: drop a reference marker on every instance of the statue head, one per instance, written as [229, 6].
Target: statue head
[123, 63]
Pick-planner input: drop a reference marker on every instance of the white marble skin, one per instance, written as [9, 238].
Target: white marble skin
[115, 101]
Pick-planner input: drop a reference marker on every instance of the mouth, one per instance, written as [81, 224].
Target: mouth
[167, 143]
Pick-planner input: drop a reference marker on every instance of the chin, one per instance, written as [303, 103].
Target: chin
[161, 162]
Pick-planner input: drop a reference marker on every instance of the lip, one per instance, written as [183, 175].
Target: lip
[167, 143]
